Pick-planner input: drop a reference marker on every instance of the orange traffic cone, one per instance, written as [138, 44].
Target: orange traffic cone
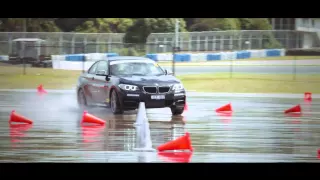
[181, 143]
[14, 117]
[225, 108]
[226, 116]
[41, 90]
[295, 109]
[294, 114]
[92, 130]
[88, 118]
[307, 96]
[20, 127]
[17, 131]
[176, 157]
[92, 133]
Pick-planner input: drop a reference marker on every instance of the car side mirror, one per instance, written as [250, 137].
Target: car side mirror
[168, 72]
[103, 73]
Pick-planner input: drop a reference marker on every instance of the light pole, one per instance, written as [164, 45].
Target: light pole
[176, 44]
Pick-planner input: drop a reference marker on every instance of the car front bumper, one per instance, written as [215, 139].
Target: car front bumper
[131, 100]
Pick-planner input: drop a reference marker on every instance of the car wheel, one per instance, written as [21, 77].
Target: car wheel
[176, 111]
[82, 101]
[115, 104]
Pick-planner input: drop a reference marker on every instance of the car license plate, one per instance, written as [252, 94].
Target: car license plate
[157, 97]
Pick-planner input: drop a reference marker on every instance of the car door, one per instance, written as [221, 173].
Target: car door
[89, 87]
[101, 84]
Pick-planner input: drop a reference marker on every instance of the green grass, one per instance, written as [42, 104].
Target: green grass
[252, 83]
[11, 77]
[214, 63]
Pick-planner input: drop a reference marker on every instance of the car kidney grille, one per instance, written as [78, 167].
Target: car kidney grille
[150, 89]
[164, 89]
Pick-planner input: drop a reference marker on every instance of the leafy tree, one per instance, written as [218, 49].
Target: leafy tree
[41, 25]
[269, 41]
[105, 25]
[260, 24]
[245, 23]
[11, 24]
[31, 24]
[214, 24]
[87, 27]
[255, 24]
[69, 24]
[189, 22]
[142, 27]
[138, 29]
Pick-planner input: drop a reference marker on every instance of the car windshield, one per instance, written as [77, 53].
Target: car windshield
[135, 67]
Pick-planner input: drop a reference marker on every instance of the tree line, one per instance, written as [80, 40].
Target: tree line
[136, 29]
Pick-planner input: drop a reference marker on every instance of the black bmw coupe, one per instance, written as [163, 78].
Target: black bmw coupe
[122, 82]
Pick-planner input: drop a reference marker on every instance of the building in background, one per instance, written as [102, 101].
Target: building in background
[297, 24]
[286, 33]
[307, 28]
[282, 23]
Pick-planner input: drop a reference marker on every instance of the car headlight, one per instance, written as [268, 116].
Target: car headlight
[177, 87]
[128, 87]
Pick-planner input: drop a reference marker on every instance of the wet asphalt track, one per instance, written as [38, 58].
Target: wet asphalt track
[258, 131]
[246, 69]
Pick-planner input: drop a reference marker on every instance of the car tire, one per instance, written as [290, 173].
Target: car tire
[176, 110]
[115, 103]
[82, 101]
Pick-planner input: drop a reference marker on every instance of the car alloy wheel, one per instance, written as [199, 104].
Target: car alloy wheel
[81, 99]
[176, 110]
[113, 102]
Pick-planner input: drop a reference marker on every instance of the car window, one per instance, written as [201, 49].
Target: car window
[93, 68]
[135, 67]
[102, 65]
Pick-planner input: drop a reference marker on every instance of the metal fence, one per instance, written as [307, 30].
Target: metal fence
[23, 61]
[235, 40]
[188, 41]
[282, 70]
[7, 46]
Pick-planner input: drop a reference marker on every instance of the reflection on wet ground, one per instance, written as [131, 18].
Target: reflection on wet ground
[257, 131]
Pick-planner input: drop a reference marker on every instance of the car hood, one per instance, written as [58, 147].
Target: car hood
[149, 80]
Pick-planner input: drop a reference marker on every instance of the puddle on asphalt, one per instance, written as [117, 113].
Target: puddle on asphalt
[256, 131]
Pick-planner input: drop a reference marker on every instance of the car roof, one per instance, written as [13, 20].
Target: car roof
[117, 58]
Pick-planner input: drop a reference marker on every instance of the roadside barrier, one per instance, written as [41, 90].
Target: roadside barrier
[196, 57]
[76, 61]
[4, 58]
